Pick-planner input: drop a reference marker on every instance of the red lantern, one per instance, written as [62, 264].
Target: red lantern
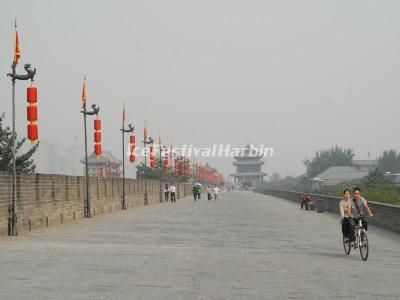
[132, 157]
[97, 124]
[151, 152]
[31, 114]
[176, 167]
[152, 161]
[183, 168]
[166, 163]
[97, 136]
[97, 149]
[32, 132]
[31, 94]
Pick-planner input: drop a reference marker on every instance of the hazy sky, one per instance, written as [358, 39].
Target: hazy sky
[293, 75]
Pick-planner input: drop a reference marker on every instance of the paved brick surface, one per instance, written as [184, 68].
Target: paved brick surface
[245, 246]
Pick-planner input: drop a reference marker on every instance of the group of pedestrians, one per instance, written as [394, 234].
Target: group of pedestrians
[170, 192]
[305, 200]
[211, 192]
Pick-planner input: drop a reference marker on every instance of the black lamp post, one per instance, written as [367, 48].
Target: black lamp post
[12, 226]
[146, 142]
[161, 149]
[193, 170]
[124, 130]
[95, 111]
[171, 155]
[179, 158]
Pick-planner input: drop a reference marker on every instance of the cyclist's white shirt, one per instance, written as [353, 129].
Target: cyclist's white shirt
[361, 204]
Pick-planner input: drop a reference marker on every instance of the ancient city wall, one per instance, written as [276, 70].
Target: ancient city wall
[47, 200]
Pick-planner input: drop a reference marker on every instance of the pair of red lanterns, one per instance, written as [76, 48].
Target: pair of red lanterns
[32, 114]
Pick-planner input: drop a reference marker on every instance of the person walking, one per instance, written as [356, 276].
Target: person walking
[304, 201]
[216, 192]
[209, 195]
[172, 191]
[166, 192]
[195, 192]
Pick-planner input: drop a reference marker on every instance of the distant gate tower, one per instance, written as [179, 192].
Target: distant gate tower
[248, 167]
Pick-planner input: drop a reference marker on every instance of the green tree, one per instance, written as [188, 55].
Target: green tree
[389, 161]
[155, 173]
[24, 162]
[324, 159]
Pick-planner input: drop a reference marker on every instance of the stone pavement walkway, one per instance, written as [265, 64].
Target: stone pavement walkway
[245, 246]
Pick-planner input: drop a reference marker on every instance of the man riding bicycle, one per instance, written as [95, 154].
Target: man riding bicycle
[358, 207]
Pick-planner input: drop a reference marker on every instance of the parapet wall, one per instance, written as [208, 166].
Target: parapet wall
[45, 200]
[385, 215]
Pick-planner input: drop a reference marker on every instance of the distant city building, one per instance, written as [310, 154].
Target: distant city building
[365, 164]
[345, 174]
[105, 166]
[248, 167]
[337, 175]
[393, 178]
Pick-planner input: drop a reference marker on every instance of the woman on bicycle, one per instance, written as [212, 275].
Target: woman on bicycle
[346, 216]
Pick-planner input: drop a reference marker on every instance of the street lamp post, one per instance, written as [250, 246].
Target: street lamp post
[162, 149]
[124, 130]
[179, 157]
[95, 111]
[193, 166]
[146, 142]
[12, 226]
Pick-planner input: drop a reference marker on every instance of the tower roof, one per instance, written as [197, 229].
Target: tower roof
[106, 158]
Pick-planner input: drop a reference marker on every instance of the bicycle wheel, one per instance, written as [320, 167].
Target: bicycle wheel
[346, 245]
[364, 248]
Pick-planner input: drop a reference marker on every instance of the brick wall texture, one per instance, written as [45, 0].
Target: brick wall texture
[45, 200]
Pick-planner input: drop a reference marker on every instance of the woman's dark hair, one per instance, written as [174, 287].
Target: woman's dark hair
[346, 190]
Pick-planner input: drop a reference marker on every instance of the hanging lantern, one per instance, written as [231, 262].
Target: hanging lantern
[32, 132]
[152, 161]
[176, 167]
[166, 163]
[97, 124]
[132, 157]
[183, 168]
[31, 114]
[97, 149]
[97, 137]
